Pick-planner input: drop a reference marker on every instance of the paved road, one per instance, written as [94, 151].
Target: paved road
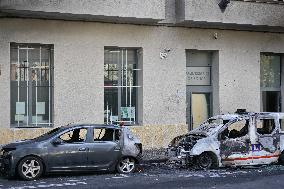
[162, 176]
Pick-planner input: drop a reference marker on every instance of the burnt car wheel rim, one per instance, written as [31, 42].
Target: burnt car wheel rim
[127, 165]
[31, 168]
[205, 161]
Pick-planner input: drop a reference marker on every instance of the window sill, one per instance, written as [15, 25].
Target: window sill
[30, 126]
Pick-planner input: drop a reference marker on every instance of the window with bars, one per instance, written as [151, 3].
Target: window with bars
[31, 85]
[121, 85]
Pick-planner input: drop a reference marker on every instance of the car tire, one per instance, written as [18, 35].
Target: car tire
[206, 161]
[126, 165]
[30, 168]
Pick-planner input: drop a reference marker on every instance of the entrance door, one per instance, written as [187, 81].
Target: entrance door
[198, 108]
[198, 87]
[271, 82]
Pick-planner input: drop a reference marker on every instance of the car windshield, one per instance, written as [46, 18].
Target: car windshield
[48, 134]
[210, 126]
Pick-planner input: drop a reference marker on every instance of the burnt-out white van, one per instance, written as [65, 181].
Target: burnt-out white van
[232, 140]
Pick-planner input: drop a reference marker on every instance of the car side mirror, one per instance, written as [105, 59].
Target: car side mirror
[56, 142]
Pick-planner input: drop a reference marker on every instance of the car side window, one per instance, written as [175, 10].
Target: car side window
[265, 126]
[104, 134]
[73, 136]
[236, 130]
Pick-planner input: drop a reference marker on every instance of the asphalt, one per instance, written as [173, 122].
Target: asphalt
[162, 175]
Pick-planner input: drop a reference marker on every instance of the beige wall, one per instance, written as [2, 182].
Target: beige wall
[150, 11]
[238, 15]
[78, 67]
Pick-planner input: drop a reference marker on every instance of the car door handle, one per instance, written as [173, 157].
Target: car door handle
[117, 148]
[82, 149]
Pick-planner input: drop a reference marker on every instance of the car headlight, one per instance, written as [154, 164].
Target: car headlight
[5, 152]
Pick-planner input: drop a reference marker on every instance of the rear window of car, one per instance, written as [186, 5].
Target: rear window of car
[265, 126]
[106, 134]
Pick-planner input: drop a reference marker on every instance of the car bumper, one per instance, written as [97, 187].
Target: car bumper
[2, 166]
[139, 158]
[5, 166]
[182, 157]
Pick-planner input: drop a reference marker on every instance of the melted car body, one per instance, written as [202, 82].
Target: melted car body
[232, 140]
[73, 148]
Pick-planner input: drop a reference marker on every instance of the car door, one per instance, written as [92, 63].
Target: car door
[266, 149]
[234, 143]
[71, 152]
[105, 149]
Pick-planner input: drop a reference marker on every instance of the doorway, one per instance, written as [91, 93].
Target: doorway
[270, 82]
[199, 87]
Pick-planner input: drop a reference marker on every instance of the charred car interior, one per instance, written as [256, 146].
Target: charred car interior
[239, 139]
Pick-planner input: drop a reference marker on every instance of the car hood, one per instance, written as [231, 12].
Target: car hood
[18, 143]
[207, 130]
[186, 138]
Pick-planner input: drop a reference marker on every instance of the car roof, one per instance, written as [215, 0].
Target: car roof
[248, 114]
[91, 125]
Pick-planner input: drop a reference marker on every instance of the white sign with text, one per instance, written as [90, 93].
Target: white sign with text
[198, 76]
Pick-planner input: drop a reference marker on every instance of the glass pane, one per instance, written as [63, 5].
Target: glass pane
[19, 101]
[128, 104]
[14, 63]
[270, 71]
[40, 104]
[103, 134]
[111, 105]
[281, 121]
[200, 108]
[40, 85]
[237, 129]
[19, 91]
[23, 65]
[265, 126]
[271, 101]
[111, 74]
[76, 135]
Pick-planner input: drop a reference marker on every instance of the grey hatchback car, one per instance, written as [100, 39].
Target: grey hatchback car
[72, 148]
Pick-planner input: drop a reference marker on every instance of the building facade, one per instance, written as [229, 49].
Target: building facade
[159, 66]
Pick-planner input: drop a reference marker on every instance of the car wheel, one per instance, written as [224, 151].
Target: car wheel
[126, 165]
[30, 168]
[205, 161]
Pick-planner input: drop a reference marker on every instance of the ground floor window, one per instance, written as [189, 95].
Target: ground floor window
[122, 85]
[31, 85]
[270, 82]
